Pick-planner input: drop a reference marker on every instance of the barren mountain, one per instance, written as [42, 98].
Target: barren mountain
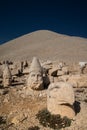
[20, 104]
[45, 45]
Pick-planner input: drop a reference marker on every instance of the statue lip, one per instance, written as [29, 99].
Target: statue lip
[62, 102]
[35, 83]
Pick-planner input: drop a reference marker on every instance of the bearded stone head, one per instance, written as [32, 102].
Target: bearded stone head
[35, 78]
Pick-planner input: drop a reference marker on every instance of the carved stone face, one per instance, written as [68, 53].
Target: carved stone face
[6, 82]
[35, 80]
[60, 99]
[62, 93]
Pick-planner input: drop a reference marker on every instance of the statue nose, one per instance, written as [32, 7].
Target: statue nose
[36, 78]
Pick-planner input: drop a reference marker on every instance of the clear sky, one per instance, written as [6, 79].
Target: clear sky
[19, 17]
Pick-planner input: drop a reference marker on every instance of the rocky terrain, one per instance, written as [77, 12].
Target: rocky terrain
[18, 110]
[63, 59]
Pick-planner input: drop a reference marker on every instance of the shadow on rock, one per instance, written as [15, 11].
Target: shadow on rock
[77, 107]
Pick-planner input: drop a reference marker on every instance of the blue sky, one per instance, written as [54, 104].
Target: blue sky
[19, 17]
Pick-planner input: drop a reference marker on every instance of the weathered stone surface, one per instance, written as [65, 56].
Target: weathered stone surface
[53, 70]
[78, 80]
[62, 110]
[7, 78]
[35, 65]
[60, 99]
[51, 78]
[35, 78]
[63, 78]
[65, 70]
[1, 72]
[18, 99]
[64, 94]
[47, 65]
[17, 118]
[25, 65]
[60, 65]
[60, 73]
[82, 64]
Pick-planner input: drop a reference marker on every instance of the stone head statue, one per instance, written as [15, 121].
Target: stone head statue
[7, 77]
[60, 99]
[35, 79]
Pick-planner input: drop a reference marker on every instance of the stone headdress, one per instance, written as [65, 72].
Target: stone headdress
[35, 65]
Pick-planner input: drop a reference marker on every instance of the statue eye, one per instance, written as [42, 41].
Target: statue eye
[39, 75]
[33, 75]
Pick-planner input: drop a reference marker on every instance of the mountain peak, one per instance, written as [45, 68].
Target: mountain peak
[45, 44]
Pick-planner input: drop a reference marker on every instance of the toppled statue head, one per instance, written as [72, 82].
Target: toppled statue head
[60, 99]
[35, 79]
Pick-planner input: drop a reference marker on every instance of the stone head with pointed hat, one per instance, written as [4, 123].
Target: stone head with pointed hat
[7, 77]
[35, 79]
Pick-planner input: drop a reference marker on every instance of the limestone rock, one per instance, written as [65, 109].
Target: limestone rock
[60, 99]
[63, 78]
[53, 71]
[1, 72]
[60, 73]
[78, 80]
[7, 77]
[35, 65]
[35, 78]
[65, 70]
[17, 118]
[62, 110]
[47, 65]
[60, 65]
